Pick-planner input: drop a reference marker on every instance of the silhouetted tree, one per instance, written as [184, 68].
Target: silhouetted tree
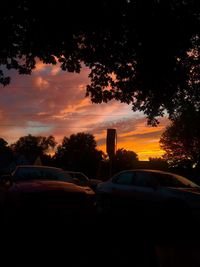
[140, 52]
[33, 146]
[124, 160]
[79, 153]
[6, 155]
[181, 140]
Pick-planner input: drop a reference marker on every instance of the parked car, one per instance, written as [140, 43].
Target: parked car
[81, 179]
[149, 192]
[29, 172]
[45, 191]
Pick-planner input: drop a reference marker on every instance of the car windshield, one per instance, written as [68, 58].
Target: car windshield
[26, 174]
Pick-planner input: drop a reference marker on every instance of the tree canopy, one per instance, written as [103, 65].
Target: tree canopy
[6, 155]
[181, 140]
[124, 160]
[79, 153]
[144, 53]
[33, 146]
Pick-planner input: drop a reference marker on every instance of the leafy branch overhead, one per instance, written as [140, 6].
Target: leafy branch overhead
[143, 53]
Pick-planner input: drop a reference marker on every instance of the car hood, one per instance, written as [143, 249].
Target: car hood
[41, 185]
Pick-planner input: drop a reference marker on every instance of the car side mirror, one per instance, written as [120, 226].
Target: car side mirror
[6, 180]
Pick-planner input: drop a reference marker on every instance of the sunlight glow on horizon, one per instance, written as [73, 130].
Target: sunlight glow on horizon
[144, 152]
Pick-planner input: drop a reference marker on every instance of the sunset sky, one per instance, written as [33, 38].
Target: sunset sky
[51, 101]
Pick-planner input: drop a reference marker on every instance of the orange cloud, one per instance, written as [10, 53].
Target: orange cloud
[60, 108]
[138, 137]
[41, 83]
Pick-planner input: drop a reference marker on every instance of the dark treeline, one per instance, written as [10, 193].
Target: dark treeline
[79, 153]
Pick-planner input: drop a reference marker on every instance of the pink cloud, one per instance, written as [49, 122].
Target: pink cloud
[51, 101]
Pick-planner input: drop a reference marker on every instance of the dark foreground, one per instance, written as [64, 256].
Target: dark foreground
[99, 241]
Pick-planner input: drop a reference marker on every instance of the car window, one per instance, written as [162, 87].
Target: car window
[169, 180]
[78, 175]
[81, 177]
[144, 179]
[151, 179]
[25, 174]
[124, 178]
[22, 174]
[68, 175]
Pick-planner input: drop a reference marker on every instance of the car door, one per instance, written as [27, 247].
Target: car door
[148, 191]
[138, 189]
[121, 184]
[144, 186]
[121, 189]
[133, 184]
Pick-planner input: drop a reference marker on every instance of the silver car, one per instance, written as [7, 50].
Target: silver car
[149, 192]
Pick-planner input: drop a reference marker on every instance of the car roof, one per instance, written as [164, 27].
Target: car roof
[161, 172]
[37, 167]
[151, 170]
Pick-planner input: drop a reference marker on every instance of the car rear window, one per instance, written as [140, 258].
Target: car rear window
[168, 180]
[25, 174]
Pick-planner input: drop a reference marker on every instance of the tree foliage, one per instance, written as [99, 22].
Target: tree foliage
[181, 140]
[6, 155]
[79, 153]
[137, 50]
[33, 146]
[124, 160]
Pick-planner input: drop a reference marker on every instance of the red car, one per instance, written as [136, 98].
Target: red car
[41, 192]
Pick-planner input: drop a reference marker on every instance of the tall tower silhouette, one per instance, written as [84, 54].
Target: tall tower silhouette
[111, 142]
